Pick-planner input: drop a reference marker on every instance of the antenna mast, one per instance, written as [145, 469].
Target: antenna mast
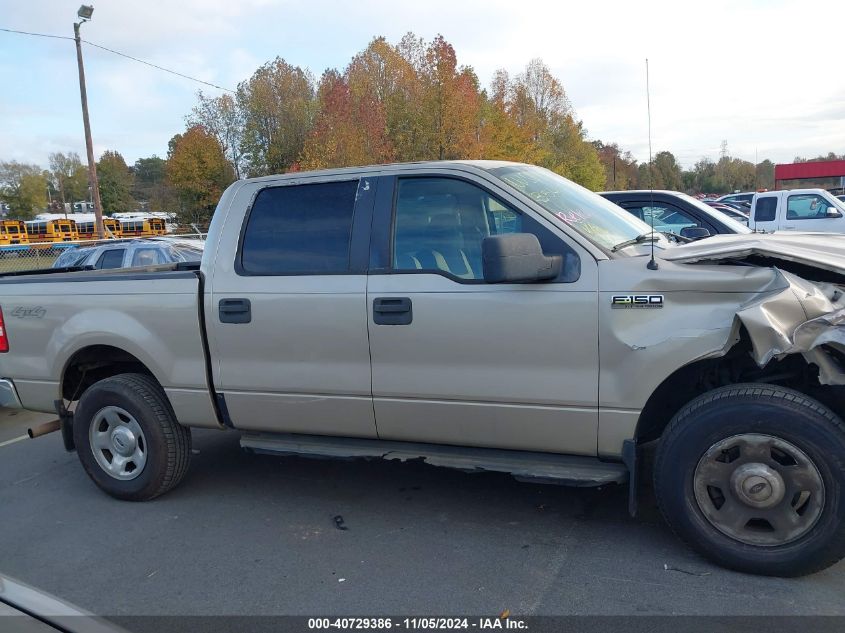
[652, 264]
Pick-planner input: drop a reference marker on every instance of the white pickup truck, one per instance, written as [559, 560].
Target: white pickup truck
[806, 210]
[476, 315]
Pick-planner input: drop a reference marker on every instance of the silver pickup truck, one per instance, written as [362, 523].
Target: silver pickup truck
[476, 315]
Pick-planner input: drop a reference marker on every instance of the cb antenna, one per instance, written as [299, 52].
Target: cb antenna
[652, 264]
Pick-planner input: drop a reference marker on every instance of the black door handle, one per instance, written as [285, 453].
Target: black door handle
[235, 311]
[392, 311]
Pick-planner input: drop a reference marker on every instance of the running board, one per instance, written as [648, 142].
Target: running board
[551, 468]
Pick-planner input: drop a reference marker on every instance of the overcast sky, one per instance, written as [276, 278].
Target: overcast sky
[767, 76]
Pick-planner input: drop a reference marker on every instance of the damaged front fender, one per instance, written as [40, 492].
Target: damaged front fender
[804, 318]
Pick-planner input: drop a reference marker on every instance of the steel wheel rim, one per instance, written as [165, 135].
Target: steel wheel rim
[118, 443]
[759, 489]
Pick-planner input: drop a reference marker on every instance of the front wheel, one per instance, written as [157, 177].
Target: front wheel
[753, 477]
[128, 439]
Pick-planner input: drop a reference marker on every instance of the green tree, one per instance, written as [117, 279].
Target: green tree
[24, 188]
[68, 176]
[198, 171]
[150, 187]
[223, 117]
[115, 179]
[765, 175]
[278, 108]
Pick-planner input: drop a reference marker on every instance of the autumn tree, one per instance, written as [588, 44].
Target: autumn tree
[451, 106]
[115, 179]
[620, 168]
[383, 74]
[68, 176]
[24, 188]
[350, 128]
[198, 171]
[278, 106]
[223, 118]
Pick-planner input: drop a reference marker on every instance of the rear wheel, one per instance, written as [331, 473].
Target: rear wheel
[128, 439]
[752, 476]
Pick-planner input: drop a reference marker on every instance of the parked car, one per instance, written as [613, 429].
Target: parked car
[842, 198]
[127, 254]
[745, 197]
[676, 213]
[807, 210]
[740, 214]
[481, 315]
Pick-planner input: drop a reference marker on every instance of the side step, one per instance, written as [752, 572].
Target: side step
[566, 470]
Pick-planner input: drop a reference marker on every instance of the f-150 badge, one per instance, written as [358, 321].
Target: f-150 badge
[636, 301]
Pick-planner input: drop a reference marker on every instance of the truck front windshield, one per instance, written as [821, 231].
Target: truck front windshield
[597, 219]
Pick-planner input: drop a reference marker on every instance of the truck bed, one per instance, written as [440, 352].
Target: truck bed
[153, 313]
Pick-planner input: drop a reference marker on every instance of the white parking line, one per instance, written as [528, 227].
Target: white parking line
[13, 440]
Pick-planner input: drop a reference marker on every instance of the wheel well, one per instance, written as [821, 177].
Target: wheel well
[95, 363]
[737, 366]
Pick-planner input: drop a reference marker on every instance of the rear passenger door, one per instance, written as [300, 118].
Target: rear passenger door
[459, 361]
[287, 313]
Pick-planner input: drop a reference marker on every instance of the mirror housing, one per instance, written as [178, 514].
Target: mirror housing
[517, 258]
[832, 213]
[694, 232]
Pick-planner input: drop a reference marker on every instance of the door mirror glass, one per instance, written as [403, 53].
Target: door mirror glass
[517, 258]
[695, 232]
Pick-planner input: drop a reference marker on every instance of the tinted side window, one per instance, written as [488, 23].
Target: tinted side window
[440, 224]
[765, 209]
[111, 259]
[300, 229]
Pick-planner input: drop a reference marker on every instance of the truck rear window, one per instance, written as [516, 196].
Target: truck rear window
[299, 229]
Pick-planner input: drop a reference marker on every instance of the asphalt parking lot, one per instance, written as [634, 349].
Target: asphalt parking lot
[248, 534]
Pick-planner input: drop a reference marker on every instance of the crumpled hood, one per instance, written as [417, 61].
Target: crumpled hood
[820, 250]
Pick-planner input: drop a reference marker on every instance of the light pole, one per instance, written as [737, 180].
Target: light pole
[85, 12]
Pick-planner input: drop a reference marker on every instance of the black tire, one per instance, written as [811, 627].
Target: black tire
[766, 410]
[167, 443]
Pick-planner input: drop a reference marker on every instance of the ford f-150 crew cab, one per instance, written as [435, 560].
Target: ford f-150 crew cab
[806, 210]
[478, 315]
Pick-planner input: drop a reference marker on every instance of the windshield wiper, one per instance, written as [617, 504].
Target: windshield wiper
[645, 237]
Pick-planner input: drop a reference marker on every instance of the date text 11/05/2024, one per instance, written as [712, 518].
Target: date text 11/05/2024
[501, 622]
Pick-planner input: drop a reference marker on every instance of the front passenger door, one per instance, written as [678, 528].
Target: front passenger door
[456, 360]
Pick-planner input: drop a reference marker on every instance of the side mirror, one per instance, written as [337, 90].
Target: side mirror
[832, 213]
[517, 258]
[694, 232]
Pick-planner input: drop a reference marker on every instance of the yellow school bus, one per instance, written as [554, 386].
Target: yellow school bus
[87, 230]
[13, 232]
[61, 230]
[145, 227]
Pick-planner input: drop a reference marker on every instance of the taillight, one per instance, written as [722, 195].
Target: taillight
[4, 340]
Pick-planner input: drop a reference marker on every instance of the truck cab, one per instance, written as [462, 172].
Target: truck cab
[806, 210]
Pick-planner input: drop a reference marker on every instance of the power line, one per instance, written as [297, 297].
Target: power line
[134, 59]
[167, 70]
[57, 37]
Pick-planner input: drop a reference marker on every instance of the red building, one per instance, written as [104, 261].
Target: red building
[826, 174]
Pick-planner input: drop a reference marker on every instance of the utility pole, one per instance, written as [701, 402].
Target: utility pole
[84, 14]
